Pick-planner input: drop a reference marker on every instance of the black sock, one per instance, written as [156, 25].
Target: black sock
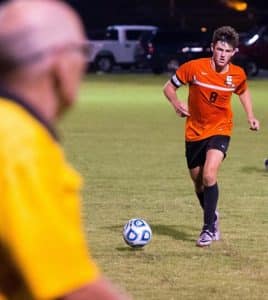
[200, 197]
[211, 194]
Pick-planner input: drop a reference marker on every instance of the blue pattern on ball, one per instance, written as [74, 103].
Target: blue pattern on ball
[137, 232]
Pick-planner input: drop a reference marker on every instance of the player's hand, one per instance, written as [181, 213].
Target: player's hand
[254, 124]
[181, 109]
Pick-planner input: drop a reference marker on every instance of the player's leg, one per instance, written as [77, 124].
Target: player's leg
[216, 152]
[195, 156]
[211, 193]
[197, 178]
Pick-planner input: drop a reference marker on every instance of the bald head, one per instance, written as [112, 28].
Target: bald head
[42, 53]
[31, 27]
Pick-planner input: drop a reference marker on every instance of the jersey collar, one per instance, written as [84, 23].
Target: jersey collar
[10, 96]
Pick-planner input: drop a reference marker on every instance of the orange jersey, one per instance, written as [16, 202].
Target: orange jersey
[209, 98]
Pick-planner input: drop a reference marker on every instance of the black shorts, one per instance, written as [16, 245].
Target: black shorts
[196, 151]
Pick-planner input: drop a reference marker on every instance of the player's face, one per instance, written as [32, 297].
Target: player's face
[222, 53]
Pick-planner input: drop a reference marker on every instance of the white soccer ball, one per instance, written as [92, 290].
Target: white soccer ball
[137, 233]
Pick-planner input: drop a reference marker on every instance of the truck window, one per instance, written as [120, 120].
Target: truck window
[112, 34]
[134, 35]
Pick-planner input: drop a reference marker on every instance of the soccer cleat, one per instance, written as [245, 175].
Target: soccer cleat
[216, 232]
[205, 238]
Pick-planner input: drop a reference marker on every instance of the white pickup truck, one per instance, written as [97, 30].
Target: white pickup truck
[118, 47]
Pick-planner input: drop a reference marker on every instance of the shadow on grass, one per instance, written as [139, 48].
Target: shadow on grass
[129, 249]
[254, 169]
[177, 232]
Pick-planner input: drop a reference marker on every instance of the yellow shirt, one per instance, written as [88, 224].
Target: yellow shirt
[40, 206]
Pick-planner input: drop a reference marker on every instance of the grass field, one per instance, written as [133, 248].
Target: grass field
[127, 142]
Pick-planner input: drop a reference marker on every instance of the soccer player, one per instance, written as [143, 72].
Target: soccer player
[209, 119]
[43, 251]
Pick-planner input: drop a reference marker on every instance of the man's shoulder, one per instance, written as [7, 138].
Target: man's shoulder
[22, 115]
[25, 140]
[19, 127]
[237, 69]
[196, 64]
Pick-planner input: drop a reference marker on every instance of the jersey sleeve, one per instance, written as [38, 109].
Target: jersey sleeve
[243, 84]
[183, 74]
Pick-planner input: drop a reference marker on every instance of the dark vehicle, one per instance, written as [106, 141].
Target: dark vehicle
[253, 49]
[163, 50]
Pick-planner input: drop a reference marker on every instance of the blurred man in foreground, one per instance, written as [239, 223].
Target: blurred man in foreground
[43, 252]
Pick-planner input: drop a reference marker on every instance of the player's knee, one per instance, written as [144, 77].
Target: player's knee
[209, 179]
[199, 187]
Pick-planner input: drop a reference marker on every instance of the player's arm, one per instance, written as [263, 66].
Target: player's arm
[101, 289]
[246, 102]
[170, 91]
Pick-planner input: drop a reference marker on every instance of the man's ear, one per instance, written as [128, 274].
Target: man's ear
[56, 77]
[212, 47]
[235, 51]
[59, 78]
[61, 72]
[58, 71]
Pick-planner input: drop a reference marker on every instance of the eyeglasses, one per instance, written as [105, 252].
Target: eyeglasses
[83, 47]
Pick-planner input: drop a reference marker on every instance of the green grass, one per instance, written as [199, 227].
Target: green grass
[127, 142]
